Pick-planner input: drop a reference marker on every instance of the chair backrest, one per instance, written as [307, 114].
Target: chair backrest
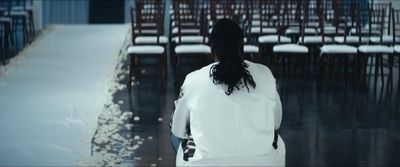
[396, 25]
[222, 9]
[21, 3]
[303, 20]
[350, 10]
[268, 11]
[379, 19]
[147, 18]
[190, 18]
[5, 6]
[293, 12]
[330, 8]
[342, 17]
[359, 15]
[313, 13]
[359, 22]
[282, 21]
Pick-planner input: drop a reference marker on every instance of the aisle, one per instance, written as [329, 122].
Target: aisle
[51, 97]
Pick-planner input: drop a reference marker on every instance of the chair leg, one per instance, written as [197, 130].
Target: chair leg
[257, 56]
[284, 75]
[346, 67]
[359, 65]
[390, 78]
[161, 73]
[9, 34]
[32, 24]
[6, 40]
[177, 72]
[14, 27]
[131, 66]
[376, 70]
[2, 55]
[136, 67]
[164, 67]
[305, 71]
[381, 68]
[274, 69]
[367, 73]
[25, 30]
[331, 62]
[356, 70]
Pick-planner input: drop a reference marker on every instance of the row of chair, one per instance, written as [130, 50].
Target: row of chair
[320, 34]
[147, 20]
[16, 17]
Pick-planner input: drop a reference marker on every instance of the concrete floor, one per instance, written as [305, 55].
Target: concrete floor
[337, 125]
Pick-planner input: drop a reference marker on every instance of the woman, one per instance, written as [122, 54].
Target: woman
[228, 111]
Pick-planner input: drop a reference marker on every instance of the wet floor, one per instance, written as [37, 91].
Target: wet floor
[336, 125]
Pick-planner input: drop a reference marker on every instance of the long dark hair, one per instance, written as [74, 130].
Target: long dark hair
[227, 45]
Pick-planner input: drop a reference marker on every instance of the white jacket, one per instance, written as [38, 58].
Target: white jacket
[234, 130]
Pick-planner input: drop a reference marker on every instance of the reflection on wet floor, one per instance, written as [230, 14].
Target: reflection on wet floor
[336, 126]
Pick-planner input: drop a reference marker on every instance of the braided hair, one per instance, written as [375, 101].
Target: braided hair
[227, 45]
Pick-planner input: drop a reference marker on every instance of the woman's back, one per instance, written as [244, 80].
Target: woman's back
[228, 111]
[240, 125]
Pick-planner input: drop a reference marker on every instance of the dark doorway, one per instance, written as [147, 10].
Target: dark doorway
[106, 11]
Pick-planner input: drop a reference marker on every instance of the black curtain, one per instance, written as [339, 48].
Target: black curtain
[106, 11]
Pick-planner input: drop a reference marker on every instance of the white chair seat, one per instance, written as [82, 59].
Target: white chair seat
[250, 49]
[375, 49]
[385, 39]
[290, 48]
[148, 6]
[22, 8]
[273, 39]
[182, 16]
[150, 40]
[255, 16]
[190, 39]
[221, 16]
[363, 31]
[331, 30]
[146, 49]
[296, 30]
[185, 31]
[270, 30]
[337, 49]
[211, 23]
[293, 25]
[147, 25]
[174, 24]
[313, 17]
[147, 31]
[314, 39]
[396, 48]
[18, 13]
[257, 23]
[5, 19]
[351, 39]
[313, 24]
[193, 49]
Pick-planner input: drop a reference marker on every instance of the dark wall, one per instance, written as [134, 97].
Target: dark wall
[106, 11]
